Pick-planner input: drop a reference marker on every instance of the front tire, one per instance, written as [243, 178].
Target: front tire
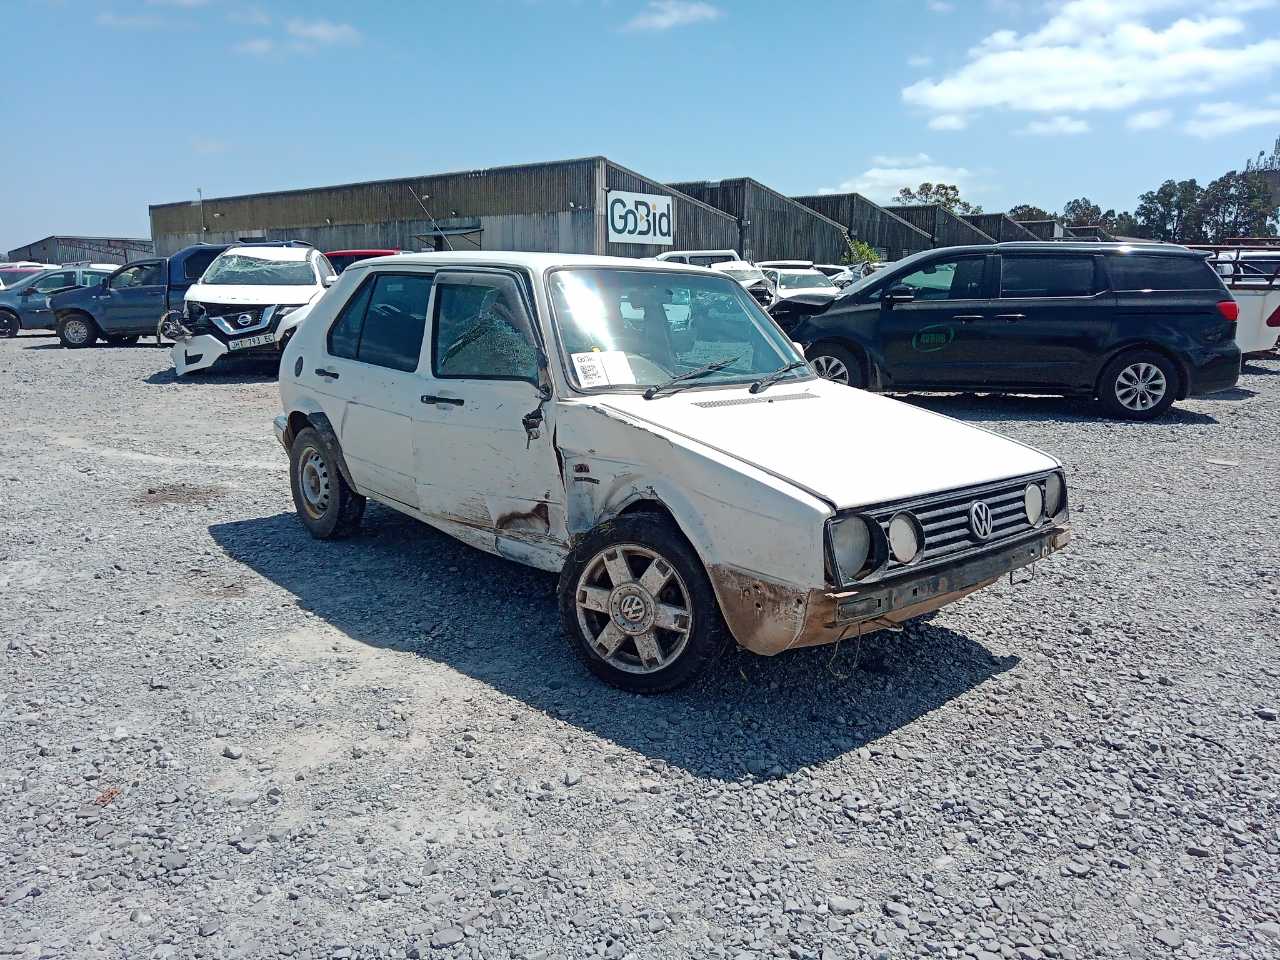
[838, 364]
[637, 606]
[325, 502]
[1138, 385]
[9, 325]
[75, 330]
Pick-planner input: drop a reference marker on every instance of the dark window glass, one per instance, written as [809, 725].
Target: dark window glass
[947, 279]
[197, 263]
[709, 260]
[143, 275]
[344, 335]
[56, 281]
[395, 320]
[482, 331]
[1046, 276]
[1136, 272]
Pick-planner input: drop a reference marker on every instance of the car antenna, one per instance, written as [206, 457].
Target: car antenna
[435, 226]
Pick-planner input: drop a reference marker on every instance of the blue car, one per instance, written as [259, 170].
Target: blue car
[25, 304]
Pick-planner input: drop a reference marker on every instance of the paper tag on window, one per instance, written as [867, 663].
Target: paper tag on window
[602, 368]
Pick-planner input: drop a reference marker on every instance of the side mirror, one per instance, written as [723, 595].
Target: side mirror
[899, 294]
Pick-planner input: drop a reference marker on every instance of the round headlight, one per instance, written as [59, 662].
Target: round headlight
[1054, 491]
[1033, 502]
[851, 544]
[904, 537]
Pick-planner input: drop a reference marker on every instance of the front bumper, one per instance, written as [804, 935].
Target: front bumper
[204, 350]
[769, 618]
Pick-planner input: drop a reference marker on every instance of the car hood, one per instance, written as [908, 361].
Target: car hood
[845, 446]
[815, 292]
[255, 294]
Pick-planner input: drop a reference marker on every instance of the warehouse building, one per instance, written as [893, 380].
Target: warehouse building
[891, 235]
[1045, 229]
[75, 249]
[945, 229]
[1000, 226]
[589, 205]
[772, 226]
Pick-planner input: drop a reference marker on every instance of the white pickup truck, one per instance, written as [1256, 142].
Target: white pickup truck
[1252, 274]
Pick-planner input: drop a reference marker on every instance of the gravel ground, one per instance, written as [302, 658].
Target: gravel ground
[223, 739]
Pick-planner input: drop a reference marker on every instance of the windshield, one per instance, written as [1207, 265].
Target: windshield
[749, 275]
[238, 268]
[634, 329]
[10, 277]
[801, 281]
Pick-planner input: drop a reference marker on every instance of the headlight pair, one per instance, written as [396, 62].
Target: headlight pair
[1039, 502]
[859, 545]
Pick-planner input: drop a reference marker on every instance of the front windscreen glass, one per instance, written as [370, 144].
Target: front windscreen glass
[235, 268]
[632, 329]
[744, 276]
[803, 281]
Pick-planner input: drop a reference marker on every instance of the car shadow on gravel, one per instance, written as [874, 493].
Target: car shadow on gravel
[404, 586]
[247, 371]
[971, 406]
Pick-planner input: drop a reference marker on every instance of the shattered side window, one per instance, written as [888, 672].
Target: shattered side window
[482, 331]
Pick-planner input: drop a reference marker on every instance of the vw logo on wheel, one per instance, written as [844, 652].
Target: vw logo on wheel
[244, 319]
[980, 520]
[632, 608]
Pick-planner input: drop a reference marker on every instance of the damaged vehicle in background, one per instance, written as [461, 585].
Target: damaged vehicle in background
[248, 303]
[645, 431]
[793, 277]
[24, 305]
[751, 277]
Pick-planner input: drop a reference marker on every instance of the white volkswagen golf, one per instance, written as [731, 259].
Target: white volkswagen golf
[645, 430]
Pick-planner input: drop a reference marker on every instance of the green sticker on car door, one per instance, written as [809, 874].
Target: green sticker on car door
[932, 338]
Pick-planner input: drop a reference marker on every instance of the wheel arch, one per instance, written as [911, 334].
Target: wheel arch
[299, 420]
[870, 368]
[1180, 366]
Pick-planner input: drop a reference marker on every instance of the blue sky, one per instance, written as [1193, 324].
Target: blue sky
[113, 104]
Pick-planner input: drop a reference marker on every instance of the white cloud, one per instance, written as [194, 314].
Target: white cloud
[1216, 119]
[187, 4]
[255, 46]
[251, 16]
[665, 14]
[1107, 55]
[948, 121]
[131, 21]
[1058, 126]
[919, 61]
[1149, 120]
[322, 33]
[940, 6]
[889, 174]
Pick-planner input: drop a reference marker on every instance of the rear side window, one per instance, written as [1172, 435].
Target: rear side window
[1047, 276]
[1137, 272]
[197, 264]
[383, 323]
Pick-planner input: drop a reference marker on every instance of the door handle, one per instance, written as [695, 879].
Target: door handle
[967, 317]
[331, 374]
[452, 401]
[1011, 317]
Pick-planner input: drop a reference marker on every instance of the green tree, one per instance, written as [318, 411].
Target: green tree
[1126, 225]
[1082, 213]
[1171, 212]
[859, 251]
[1027, 211]
[944, 194]
[1237, 205]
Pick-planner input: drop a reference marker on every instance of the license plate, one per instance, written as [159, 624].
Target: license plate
[259, 341]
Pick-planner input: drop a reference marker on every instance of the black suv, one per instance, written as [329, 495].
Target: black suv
[1136, 326]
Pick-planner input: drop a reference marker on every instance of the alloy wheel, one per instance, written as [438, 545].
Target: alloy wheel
[831, 368]
[76, 331]
[634, 608]
[1140, 386]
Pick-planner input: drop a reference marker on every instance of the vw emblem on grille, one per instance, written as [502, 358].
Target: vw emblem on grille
[244, 320]
[980, 520]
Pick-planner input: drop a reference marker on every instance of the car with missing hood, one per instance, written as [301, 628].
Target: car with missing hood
[248, 302]
[750, 276]
[644, 430]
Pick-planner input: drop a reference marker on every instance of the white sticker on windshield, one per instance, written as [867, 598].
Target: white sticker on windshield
[602, 368]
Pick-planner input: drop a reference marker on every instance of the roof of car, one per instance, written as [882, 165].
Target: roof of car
[1068, 246]
[530, 261]
[351, 253]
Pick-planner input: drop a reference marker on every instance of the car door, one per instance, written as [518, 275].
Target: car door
[133, 300]
[934, 339]
[1053, 320]
[36, 313]
[370, 381]
[481, 472]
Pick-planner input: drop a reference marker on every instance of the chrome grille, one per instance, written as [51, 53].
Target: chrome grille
[945, 520]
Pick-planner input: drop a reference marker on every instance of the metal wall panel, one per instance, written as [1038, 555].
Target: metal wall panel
[699, 226]
[94, 249]
[892, 236]
[945, 228]
[774, 227]
[1000, 226]
[1044, 229]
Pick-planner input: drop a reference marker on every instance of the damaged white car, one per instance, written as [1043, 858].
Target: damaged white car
[249, 301]
[645, 430]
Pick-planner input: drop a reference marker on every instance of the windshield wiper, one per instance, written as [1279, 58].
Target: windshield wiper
[692, 374]
[765, 382]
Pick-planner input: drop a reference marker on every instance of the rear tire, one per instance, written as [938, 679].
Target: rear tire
[637, 607]
[1138, 385]
[9, 325]
[838, 364]
[325, 502]
[76, 330]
